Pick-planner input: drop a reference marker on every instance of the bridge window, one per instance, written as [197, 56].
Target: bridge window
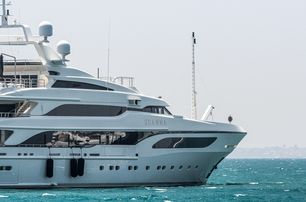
[153, 109]
[78, 85]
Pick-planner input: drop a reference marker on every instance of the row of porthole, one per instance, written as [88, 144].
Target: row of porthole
[25, 154]
[5, 168]
[110, 167]
[148, 167]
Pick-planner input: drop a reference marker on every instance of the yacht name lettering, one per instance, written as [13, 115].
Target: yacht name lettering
[155, 122]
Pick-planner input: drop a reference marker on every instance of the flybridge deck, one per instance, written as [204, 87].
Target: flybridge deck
[32, 73]
[23, 74]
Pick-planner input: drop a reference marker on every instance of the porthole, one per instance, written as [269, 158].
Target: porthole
[135, 167]
[197, 166]
[180, 167]
[7, 168]
[163, 167]
[147, 167]
[158, 167]
[111, 167]
[189, 167]
[117, 167]
[19, 154]
[130, 167]
[101, 167]
[172, 167]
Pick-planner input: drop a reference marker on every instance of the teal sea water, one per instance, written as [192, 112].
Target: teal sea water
[234, 180]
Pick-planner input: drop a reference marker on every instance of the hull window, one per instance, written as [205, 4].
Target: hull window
[85, 138]
[184, 142]
[5, 168]
[4, 135]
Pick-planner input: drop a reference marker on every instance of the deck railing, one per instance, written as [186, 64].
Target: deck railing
[22, 83]
[122, 80]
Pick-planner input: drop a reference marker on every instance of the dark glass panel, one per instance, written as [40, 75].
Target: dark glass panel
[185, 142]
[53, 73]
[4, 135]
[86, 110]
[79, 85]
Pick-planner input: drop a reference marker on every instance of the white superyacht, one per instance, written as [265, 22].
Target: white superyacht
[66, 128]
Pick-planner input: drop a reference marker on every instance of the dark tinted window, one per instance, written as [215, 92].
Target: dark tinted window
[86, 110]
[184, 142]
[79, 85]
[85, 138]
[4, 135]
[153, 109]
[53, 73]
[39, 139]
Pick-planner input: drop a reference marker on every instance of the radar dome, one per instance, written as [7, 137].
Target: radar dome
[63, 48]
[45, 29]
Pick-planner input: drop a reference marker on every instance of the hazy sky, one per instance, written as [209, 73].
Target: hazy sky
[250, 56]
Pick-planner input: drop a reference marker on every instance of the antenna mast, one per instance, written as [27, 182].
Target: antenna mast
[5, 13]
[194, 93]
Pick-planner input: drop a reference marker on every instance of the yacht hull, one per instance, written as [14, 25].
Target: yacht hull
[115, 165]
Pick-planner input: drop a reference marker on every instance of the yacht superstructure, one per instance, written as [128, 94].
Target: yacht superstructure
[71, 129]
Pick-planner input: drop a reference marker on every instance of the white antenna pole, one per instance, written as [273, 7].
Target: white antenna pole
[108, 49]
[194, 93]
[4, 16]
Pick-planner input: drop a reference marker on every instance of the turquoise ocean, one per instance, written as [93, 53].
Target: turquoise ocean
[234, 180]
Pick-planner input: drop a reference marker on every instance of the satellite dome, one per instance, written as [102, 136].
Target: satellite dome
[63, 48]
[45, 29]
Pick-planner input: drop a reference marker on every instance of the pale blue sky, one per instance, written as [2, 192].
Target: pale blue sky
[251, 55]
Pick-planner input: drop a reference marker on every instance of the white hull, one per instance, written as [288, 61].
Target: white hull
[189, 167]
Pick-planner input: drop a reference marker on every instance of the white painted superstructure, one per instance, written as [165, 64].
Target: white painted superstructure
[80, 131]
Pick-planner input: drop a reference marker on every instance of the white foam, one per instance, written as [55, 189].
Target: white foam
[253, 183]
[2, 196]
[211, 187]
[238, 195]
[47, 194]
[160, 190]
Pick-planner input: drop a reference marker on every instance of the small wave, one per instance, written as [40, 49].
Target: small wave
[167, 201]
[239, 195]
[47, 194]
[211, 187]
[286, 190]
[159, 190]
[279, 182]
[2, 196]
